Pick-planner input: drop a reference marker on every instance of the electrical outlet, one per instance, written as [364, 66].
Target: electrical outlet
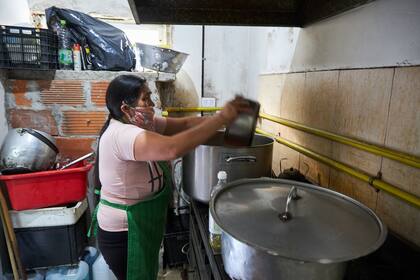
[208, 102]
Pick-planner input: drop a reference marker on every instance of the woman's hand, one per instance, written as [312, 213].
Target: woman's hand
[143, 117]
[231, 110]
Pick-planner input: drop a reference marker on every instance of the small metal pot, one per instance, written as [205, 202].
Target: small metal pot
[27, 150]
[279, 229]
[242, 130]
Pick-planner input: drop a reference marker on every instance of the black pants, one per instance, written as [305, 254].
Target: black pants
[113, 246]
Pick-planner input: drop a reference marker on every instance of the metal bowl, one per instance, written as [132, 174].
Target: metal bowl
[161, 59]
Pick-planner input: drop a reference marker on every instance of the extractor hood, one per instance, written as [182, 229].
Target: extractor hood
[236, 12]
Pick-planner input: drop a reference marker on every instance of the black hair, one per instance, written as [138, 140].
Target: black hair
[122, 89]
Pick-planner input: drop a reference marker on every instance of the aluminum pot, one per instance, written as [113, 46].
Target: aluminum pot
[287, 230]
[200, 166]
[161, 59]
[27, 150]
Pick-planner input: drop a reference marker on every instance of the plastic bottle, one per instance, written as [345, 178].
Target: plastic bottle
[65, 58]
[90, 255]
[215, 237]
[77, 58]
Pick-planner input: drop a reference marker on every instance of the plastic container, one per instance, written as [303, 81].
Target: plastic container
[90, 255]
[175, 245]
[48, 217]
[44, 247]
[176, 239]
[101, 271]
[65, 55]
[77, 58]
[27, 48]
[47, 188]
[215, 236]
[81, 272]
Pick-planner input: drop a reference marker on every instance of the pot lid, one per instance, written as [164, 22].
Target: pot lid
[324, 226]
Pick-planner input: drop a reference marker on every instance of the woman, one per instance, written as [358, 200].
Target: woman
[135, 192]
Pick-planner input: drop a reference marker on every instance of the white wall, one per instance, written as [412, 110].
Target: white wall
[227, 64]
[382, 33]
[234, 57]
[116, 8]
[187, 39]
[14, 12]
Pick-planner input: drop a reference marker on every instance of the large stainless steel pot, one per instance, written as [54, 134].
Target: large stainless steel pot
[287, 230]
[26, 149]
[200, 166]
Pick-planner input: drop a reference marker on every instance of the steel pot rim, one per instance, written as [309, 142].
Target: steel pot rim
[162, 48]
[271, 143]
[380, 240]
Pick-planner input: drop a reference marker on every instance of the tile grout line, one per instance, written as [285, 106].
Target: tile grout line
[332, 143]
[386, 130]
[299, 154]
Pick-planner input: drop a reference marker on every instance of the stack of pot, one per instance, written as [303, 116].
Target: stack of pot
[27, 150]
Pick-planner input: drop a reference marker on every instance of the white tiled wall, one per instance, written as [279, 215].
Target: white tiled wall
[381, 106]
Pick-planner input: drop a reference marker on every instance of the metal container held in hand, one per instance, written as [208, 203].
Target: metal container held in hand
[281, 229]
[27, 150]
[201, 165]
[242, 130]
[161, 59]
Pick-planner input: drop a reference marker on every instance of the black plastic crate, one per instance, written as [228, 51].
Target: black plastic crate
[28, 48]
[176, 239]
[176, 248]
[52, 246]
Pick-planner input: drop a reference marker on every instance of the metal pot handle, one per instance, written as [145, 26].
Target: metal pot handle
[76, 161]
[241, 159]
[42, 138]
[292, 195]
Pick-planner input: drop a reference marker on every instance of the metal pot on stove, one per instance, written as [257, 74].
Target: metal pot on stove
[281, 229]
[201, 165]
[27, 150]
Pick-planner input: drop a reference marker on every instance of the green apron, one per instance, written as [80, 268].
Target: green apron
[146, 225]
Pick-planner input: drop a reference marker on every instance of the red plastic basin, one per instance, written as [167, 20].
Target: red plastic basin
[47, 188]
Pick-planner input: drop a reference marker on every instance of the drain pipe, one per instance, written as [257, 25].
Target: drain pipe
[373, 181]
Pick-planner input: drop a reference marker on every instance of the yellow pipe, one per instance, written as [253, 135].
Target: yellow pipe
[381, 151]
[192, 109]
[377, 183]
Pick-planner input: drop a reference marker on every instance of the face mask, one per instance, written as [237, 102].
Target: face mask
[142, 117]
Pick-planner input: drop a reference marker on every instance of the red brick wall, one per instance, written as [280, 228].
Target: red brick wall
[72, 111]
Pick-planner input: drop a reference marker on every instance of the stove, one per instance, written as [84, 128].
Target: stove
[205, 264]
[394, 260]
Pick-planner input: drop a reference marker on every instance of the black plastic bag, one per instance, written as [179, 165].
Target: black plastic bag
[109, 46]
